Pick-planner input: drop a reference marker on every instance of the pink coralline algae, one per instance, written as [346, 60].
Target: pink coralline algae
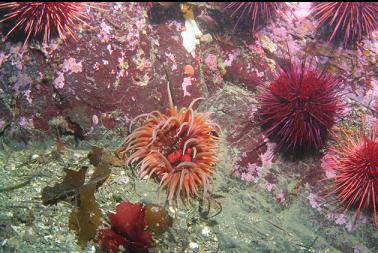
[231, 57]
[340, 219]
[3, 57]
[269, 187]
[26, 123]
[315, 202]
[252, 172]
[70, 65]
[59, 81]
[127, 230]
[248, 174]
[328, 164]
[187, 82]
[211, 62]
[104, 34]
[23, 81]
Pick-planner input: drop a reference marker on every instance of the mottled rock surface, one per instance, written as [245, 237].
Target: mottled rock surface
[118, 68]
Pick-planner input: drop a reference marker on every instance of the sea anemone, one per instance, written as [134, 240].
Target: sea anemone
[348, 21]
[299, 107]
[36, 18]
[253, 14]
[355, 163]
[179, 148]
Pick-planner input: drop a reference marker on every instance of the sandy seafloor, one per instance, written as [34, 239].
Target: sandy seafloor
[115, 71]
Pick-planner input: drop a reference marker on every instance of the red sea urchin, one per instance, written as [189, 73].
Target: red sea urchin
[253, 14]
[178, 148]
[36, 18]
[348, 21]
[356, 171]
[299, 107]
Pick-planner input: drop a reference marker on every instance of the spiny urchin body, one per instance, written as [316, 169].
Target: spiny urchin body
[299, 107]
[43, 18]
[347, 21]
[355, 162]
[253, 14]
[178, 148]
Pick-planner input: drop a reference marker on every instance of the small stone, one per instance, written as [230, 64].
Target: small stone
[207, 38]
[172, 209]
[35, 156]
[206, 231]
[194, 246]
[92, 249]
[77, 156]
[48, 237]
[95, 120]
[122, 180]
